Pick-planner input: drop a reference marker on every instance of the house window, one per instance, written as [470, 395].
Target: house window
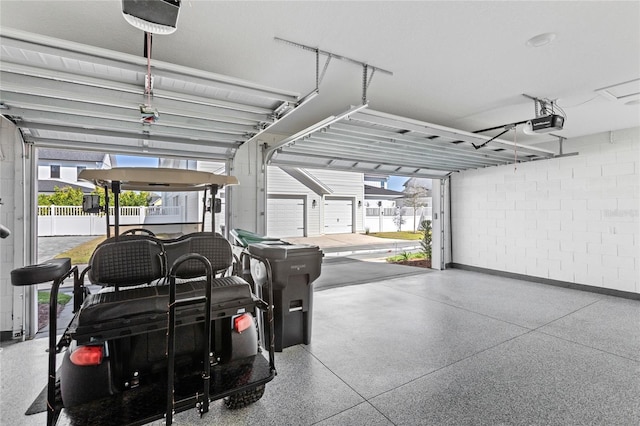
[55, 171]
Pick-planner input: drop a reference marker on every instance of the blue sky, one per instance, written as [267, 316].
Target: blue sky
[395, 183]
[134, 161]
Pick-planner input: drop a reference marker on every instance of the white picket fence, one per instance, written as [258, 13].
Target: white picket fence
[71, 220]
[384, 219]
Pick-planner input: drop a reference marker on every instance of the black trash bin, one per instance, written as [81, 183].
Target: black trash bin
[294, 268]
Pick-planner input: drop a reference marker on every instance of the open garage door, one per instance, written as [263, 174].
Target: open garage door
[286, 216]
[338, 215]
[67, 95]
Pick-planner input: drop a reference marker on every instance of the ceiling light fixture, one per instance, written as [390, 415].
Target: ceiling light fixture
[152, 16]
[541, 40]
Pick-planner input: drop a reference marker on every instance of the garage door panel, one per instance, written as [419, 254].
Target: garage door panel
[338, 216]
[285, 217]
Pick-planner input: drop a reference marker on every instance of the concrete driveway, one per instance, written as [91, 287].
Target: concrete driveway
[352, 259]
[349, 258]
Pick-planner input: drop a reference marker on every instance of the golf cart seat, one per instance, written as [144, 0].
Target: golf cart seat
[121, 306]
[130, 265]
[127, 262]
[211, 245]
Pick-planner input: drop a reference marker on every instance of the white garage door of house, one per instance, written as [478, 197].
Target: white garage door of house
[338, 216]
[285, 217]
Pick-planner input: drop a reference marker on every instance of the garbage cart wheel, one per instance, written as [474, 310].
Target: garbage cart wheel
[244, 398]
[44, 272]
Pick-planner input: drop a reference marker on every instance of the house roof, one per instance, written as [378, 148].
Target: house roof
[67, 155]
[48, 185]
[373, 191]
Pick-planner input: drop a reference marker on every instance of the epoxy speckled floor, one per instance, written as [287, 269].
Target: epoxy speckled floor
[441, 348]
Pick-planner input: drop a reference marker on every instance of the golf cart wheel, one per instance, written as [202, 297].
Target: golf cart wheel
[58, 399]
[41, 273]
[244, 398]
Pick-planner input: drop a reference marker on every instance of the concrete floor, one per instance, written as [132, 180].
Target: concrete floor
[441, 347]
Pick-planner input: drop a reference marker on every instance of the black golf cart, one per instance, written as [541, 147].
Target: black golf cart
[172, 327]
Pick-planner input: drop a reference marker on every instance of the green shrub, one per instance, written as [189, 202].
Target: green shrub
[425, 243]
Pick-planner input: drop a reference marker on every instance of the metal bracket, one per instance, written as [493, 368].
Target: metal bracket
[365, 72]
[560, 141]
[366, 80]
[561, 152]
[443, 188]
[324, 71]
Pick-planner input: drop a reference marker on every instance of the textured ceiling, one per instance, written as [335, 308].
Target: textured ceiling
[458, 64]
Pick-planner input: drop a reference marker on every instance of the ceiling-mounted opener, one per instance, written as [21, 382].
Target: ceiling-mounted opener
[152, 17]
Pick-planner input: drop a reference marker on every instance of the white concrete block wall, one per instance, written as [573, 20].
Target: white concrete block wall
[573, 219]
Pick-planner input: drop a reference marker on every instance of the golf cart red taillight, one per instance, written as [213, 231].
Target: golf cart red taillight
[242, 322]
[87, 355]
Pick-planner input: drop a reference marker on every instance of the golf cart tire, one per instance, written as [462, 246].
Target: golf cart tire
[244, 398]
[48, 271]
[82, 384]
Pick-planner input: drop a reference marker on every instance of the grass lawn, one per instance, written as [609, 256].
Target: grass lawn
[43, 297]
[401, 235]
[80, 254]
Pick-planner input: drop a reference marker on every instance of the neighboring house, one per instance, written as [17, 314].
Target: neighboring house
[380, 208]
[58, 167]
[377, 194]
[423, 204]
[302, 202]
[48, 186]
[381, 198]
[377, 181]
[189, 203]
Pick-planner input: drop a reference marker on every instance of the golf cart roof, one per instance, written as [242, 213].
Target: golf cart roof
[156, 179]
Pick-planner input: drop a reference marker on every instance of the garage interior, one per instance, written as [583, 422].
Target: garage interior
[440, 90]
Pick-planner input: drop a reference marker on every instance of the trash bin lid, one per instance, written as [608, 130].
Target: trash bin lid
[245, 237]
[283, 251]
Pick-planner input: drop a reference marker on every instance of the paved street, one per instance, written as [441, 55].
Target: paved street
[49, 247]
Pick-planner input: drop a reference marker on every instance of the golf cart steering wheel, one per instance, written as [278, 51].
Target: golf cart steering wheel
[138, 230]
